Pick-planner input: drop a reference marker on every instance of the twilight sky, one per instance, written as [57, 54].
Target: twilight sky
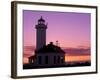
[69, 28]
[72, 30]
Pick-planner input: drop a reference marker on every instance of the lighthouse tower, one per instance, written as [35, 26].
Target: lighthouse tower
[40, 33]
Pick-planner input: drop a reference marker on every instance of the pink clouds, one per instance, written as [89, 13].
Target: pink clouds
[77, 51]
[72, 54]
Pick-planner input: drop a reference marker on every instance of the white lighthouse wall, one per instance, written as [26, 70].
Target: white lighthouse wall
[41, 38]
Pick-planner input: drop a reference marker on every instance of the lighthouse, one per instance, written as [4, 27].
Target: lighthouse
[46, 55]
[40, 33]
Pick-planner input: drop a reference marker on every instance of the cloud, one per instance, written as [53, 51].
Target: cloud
[80, 51]
[28, 51]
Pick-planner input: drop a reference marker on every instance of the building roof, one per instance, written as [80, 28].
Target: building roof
[50, 48]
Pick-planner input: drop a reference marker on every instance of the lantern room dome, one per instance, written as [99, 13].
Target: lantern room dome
[41, 19]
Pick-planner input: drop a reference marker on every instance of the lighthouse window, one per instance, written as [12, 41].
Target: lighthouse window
[54, 59]
[46, 59]
[58, 59]
[61, 59]
[39, 57]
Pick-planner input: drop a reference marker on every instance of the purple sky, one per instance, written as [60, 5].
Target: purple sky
[69, 28]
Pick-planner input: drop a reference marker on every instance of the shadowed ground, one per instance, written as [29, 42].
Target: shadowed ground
[32, 66]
